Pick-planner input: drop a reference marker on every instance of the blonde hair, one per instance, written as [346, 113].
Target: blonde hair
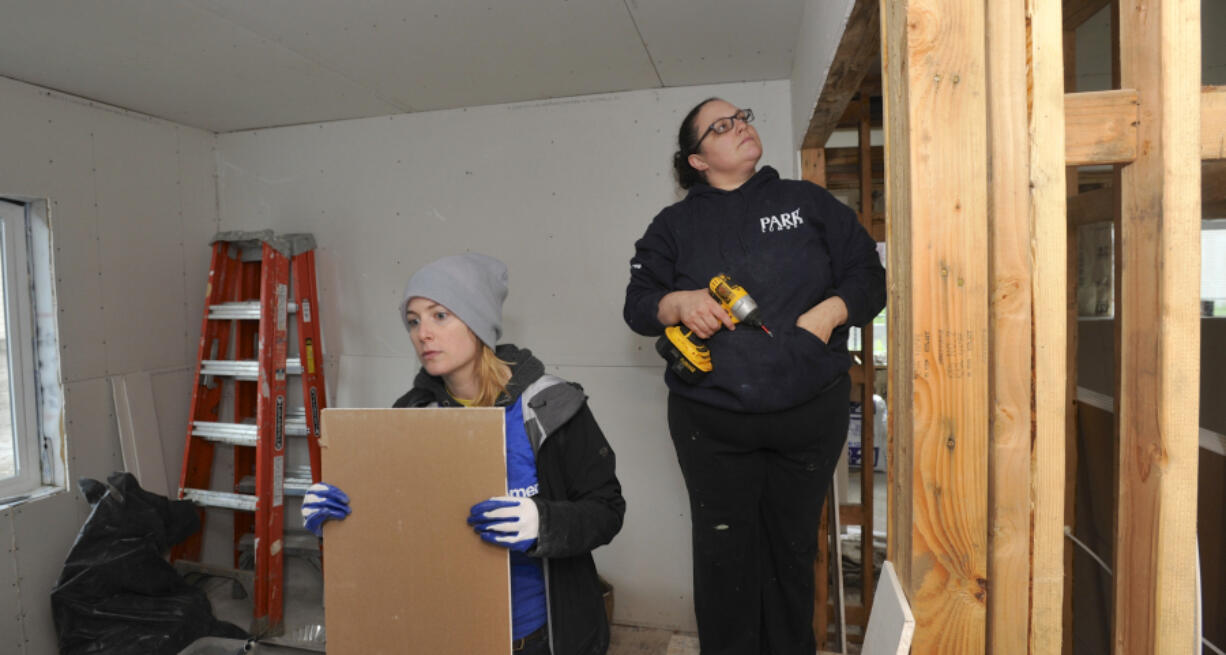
[493, 374]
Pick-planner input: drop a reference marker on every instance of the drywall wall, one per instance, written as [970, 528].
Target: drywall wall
[133, 204]
[560, 190]
[821, 29]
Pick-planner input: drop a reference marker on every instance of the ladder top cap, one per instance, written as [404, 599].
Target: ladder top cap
[286, 244]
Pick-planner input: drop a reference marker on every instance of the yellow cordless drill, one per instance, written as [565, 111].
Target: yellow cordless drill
[686, 354]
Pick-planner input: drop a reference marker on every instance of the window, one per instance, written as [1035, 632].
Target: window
[1095, 269]
[31, 398]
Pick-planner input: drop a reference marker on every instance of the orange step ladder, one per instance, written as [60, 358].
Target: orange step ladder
[257, 281]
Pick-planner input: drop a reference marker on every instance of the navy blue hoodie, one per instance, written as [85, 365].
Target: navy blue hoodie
[790, 244]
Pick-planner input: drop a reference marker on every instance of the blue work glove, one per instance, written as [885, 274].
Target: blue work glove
[506, 521]
[323, 502]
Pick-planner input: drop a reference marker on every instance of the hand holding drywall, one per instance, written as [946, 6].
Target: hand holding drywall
[323, 502]
[506, 521]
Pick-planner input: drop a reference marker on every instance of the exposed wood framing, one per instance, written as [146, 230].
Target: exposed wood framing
[1100, 127]
[1213, 122]
[1159, 323]
[936, 140]
[1072, 185]
[898, 175]
[1098, 205]
[1077, 12]
[1011, 270]
[813, 169]
[868, 370]
[856, 55]
[1049, 283]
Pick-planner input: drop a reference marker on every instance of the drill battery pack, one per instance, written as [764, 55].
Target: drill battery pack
[686, 355]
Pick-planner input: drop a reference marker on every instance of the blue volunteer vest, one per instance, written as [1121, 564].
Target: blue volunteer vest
[528, 611]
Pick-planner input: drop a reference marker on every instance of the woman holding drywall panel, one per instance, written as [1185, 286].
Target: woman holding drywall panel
[564, 498]
[758, 435]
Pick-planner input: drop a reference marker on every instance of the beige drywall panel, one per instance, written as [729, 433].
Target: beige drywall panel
[405, 570]
[560, 191]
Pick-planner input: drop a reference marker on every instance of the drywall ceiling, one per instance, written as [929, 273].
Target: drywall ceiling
[227, 65]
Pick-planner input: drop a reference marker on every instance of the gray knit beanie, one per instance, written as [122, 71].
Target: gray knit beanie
[471, 285]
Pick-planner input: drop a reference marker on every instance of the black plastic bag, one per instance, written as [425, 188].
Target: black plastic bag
[117, 593]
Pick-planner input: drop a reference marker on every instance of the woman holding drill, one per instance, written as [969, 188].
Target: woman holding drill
[563, 500]
[758, 437]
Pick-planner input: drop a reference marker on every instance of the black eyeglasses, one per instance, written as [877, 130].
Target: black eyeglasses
[722, 125]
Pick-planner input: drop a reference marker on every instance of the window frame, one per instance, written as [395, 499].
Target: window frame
[35, 385]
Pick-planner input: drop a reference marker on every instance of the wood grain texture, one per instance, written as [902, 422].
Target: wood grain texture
[899, 464]
[868, 373]
[1100, 127]
[934, 57]
[1049, 284]
[813, 169]
[1010, 364]
[1159, 339]
[856, 54]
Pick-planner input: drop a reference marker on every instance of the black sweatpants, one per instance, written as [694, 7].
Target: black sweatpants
[756, 484]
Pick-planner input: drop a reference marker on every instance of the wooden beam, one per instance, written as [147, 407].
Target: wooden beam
[1213, 122]
[1100, 127]
[1159, 324]
[1010, 382]
[813, 165]
[1077, 12]
[1072, 185]
[1049, 282]
[813, 169]
[1097, 206]
[936, 179]
[867, 460]
[857, 53]
[900, 416]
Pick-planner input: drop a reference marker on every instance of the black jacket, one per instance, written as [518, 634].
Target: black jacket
[580, 502]
[791, 245]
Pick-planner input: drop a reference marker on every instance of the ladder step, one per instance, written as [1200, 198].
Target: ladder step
[244, 369]
[247, 434]
[221, 499]
[296, 482]
[297, 542]
[249, 310]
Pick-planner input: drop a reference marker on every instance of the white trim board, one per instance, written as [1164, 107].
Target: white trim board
[139, 437]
